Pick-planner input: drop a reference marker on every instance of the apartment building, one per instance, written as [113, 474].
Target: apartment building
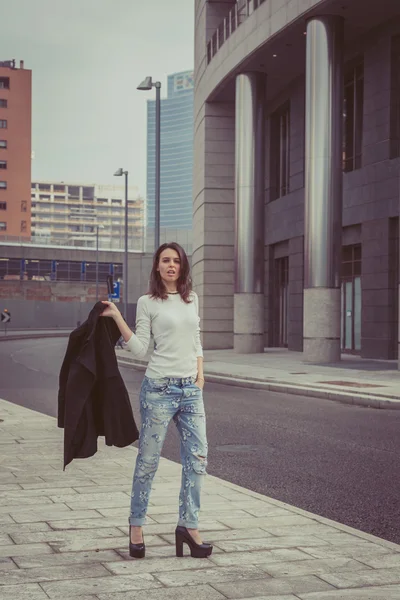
[15, 149]
[73, 214]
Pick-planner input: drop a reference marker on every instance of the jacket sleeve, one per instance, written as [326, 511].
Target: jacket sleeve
[63, 378]
[199, 347]
[139, 342]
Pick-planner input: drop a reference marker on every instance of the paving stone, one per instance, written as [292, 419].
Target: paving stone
[272, 586]
[4, 518]
[4, 539]
[317, 529]
[167, 551]
[25, 550]
[54, 574]
[97, 585]
[361, 549]
[9, 487]
[312, 567]
[211, 575]
[96, 543]
[6, 564]
[89, 523]
[8, 506]
[58, 485]
[263, 510]
[270, 542]
[172, 517]
[156, 566]
[23, 592]
[263, 557]
[340, 537]
[66, 558]
[64, 536]
[381, 561]
[195, 592]
[265, 522]
[168, 528]
[103, 489]
[361, 578]
[224, 534]
[53, 513]
[91, 498]
[390, 592]
[28, 527]
[21, 494]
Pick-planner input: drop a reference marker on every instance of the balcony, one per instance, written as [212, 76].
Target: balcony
[236, 16]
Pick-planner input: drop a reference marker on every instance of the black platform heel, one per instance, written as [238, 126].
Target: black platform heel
[136, 550]
[196, 550]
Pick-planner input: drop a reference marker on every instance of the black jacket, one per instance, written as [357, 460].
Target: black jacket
[92, 397]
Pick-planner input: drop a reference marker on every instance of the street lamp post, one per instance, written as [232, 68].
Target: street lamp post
[119, 173]
[147, 85]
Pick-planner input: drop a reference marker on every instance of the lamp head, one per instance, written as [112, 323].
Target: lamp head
[146, 84]
[119, 173]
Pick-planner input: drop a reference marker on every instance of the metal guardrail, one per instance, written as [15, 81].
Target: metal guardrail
[84, 241]
[236, 16]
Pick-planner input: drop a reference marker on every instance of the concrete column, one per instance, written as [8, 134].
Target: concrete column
[249, 213]
[323, 189]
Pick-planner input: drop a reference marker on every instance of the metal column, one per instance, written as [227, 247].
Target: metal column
[249, 213]
[323, 189]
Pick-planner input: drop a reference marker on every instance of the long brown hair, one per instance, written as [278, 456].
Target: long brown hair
[184, 284]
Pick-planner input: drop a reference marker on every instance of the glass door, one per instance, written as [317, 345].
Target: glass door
[351, 299]
[281, 295]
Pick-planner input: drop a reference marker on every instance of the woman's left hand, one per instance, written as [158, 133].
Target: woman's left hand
[200, 383]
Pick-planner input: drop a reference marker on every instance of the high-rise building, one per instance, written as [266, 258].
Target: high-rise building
[15, 149]
[69, 214]
[176, 154]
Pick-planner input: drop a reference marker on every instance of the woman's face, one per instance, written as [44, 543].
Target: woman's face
[169, 265]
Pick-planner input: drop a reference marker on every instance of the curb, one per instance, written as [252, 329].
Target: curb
[366, 400]
[32, 336]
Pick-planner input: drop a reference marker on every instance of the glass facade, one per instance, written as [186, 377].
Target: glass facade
[176, 155]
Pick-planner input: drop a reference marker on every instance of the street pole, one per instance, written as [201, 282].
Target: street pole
[97, 263]
[125, 274]
[158, 166]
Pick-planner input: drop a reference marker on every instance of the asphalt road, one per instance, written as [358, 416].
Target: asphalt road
[339, 461]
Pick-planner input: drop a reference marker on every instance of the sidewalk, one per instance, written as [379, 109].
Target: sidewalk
[358, 381]
[65, 534]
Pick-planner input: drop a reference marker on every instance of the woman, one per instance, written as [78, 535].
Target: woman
[172, 389]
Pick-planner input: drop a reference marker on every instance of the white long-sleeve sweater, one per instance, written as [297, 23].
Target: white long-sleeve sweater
[175, 326]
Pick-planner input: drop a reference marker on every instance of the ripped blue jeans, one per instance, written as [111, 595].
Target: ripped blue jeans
[160, 401]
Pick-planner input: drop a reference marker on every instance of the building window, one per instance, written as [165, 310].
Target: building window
[3, 185]
[353, 109]
[3, 124]
[280, 152]
[3, 143]
[23, 225]
[395, 98]
[3, 226]
[23, 205]
[3, 205]
[3, 164]
[4, 83]
[3, 103]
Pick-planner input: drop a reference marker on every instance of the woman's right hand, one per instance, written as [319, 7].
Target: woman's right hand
[110, 310]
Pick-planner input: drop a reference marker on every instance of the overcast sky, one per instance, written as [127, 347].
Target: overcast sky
[87, 57]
